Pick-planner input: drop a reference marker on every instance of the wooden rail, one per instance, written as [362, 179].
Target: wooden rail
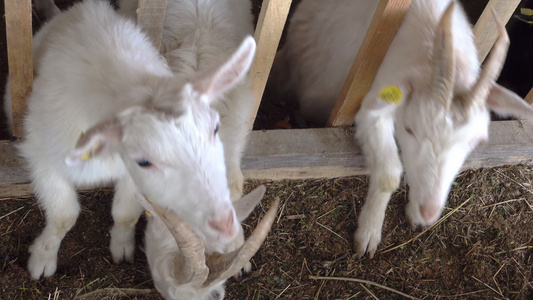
[19, 52]
[267, 35]
[314, 153]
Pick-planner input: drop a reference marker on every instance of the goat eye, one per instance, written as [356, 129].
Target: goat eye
[144, 163]
[409, 130]
[216, 129]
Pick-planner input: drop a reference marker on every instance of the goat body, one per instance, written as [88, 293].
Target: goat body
[442, 112]
[105, 107]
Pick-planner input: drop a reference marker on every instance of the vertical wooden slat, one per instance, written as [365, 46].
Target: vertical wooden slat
[529, 97]
[485, 29]
[151, 17]
[267, 35]
[19, 54]
[387, 19]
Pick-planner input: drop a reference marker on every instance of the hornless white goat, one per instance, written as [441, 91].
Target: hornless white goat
[197, 35]
[105, 107]
[440, 116]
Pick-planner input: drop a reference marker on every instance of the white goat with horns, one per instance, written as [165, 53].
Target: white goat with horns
[196, 35]
[106, 108]
[429, 95]
[180, 266]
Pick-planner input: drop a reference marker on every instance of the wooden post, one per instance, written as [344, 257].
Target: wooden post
[387, 19]
[19, 54]
[151, 17]
[485, 29]
[267, 35]
[529, 97]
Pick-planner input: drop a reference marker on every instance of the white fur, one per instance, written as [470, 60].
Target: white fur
[322, 43]
[197, 36]
[98, 74]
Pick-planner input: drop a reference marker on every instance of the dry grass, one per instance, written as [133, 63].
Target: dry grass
[481, 249]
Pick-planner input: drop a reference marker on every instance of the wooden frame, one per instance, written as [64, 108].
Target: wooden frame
[275, 154]
[20, 60]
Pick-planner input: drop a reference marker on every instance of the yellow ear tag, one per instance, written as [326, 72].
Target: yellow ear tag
[148, 213]
[526, 11]
[391, 94]
[86, 156]
[149, 200]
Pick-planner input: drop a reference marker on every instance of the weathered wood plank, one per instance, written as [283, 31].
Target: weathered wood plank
[267, 35]
[314, 153]
[529, 97]
[151, 17]
[387, 19]
[331, 152]
[485, 32]
[19, 53]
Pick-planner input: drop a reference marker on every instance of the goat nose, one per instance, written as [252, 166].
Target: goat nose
[429, 211]
[224, 225]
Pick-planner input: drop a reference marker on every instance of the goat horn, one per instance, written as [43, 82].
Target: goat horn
[493, 66]
[190, 264]
[223, 266]
[444, 59]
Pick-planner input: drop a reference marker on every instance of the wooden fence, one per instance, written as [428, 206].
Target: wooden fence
[281, 154]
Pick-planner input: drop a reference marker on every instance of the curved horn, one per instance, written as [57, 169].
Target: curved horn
[443, 78]
[493, 66]
[190, 264]
[223, 266]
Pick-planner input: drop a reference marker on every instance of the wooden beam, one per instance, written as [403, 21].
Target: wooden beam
[485, 32]
[18, 15]
[267, 35]
[313, 153]
[331, 152]
[529, 97]
[387, 19]
[151, 17]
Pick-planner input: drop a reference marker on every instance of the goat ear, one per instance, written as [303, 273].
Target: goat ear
[245, 205]
[95, 141]
[506, 103]
[223, 78]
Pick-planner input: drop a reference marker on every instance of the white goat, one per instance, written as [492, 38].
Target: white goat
[180, 266]
[105, 107]
[440, 113]
[196, 36]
